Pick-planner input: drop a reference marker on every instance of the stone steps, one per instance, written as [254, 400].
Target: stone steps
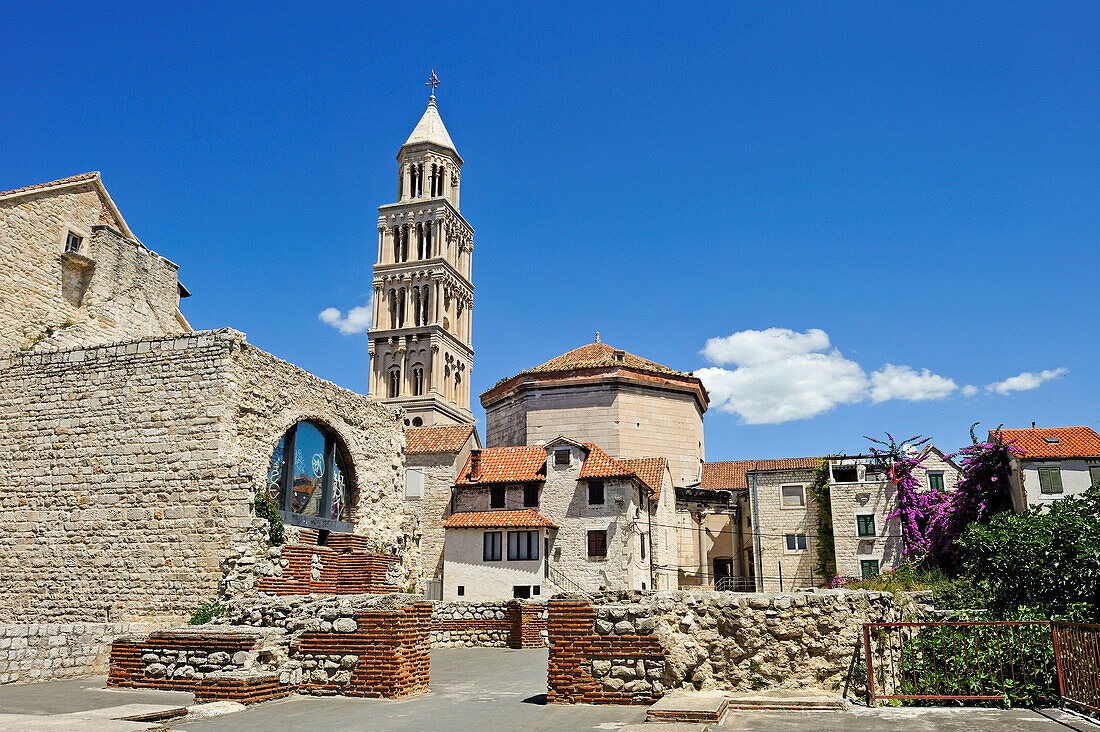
[788, 699]
[689, 707]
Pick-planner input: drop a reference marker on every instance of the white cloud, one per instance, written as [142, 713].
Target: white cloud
[1026, 381]
[905, 383]
[969, 390]
[781, 376]
[756, 347]
[356, 321]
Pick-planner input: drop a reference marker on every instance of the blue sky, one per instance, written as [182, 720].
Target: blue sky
[890, 187]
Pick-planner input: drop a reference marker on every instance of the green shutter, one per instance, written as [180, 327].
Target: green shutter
[868, 568]
[1050, 480]
[1056, 479]
[1094, 474]
[935, 481]
[865, 525]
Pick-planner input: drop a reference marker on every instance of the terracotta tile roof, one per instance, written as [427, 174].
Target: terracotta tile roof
[60, 182]
[599, 464]
[426, 440]
[650, 470]
[599, 355]
[505, 465]
[1036, 442]
[732, 475]
[526, 518]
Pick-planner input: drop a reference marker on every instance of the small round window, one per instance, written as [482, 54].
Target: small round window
[309, 460]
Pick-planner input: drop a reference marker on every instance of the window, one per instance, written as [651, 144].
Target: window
[868, 568]
[73, 242]
[793, 496]
[845, 474]
[414, 484]
[561, 457]
[496, 496]
[597, 543]
[491, 550]
[595, 493]
[523, 546]
[1050, 440]
[865, 524]
[796, 542]
[461, 590]
[308, 479]
[395, 384]
[935, 481]
[1050, 480]
[521, 591]
[531, 496]
[418, 381]
[536, 590]
[1094, 474]
[641, 542]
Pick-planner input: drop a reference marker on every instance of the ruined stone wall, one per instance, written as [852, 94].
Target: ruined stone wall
[633, 651]
[131, 469]
[504, 624]
[35, 652]
[113, 289]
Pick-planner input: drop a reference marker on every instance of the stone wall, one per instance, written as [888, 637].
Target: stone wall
[114, 289]
[131, 470]
[511, 624]
[632, 651]
[779, 568]
[36, 652]
[432, 509]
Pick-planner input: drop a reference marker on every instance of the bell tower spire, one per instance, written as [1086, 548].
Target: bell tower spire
[420, 340]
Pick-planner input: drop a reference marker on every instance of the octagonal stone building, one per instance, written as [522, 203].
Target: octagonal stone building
[626, 404]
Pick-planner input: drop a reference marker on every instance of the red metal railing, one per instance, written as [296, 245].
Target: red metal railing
[1077, 652]
[1008, 662]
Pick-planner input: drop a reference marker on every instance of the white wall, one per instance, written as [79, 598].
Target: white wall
[463, 565]
[1075, 479]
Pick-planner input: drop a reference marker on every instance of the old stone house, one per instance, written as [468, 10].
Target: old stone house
[563, 515]
[433, 458]
[1053, 462]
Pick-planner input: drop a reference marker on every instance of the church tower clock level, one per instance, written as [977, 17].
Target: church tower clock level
[420, 348]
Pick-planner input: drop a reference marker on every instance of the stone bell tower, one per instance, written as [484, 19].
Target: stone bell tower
[420, 348]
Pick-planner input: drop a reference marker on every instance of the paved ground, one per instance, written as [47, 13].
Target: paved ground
[482, 689]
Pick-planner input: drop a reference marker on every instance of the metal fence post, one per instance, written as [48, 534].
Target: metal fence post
[867, 660]
[1058, 664]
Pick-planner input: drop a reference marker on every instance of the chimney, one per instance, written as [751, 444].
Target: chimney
[475, 465]
[1032, 425]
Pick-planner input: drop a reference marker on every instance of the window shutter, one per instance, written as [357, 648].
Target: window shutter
[1056, 480]
[1094, 475]
[414, 484]
[1044, 480]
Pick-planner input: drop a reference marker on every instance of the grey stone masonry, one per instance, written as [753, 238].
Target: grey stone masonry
[41, 651]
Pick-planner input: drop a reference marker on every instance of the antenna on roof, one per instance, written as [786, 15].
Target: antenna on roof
[597, 336]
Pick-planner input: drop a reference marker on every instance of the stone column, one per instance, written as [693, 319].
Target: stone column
[376, 311]
[704, 564]
[408, 300]
[380, 240]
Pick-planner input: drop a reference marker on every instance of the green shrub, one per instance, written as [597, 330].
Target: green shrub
[1047, 558]
[266, 509]
[206, 612]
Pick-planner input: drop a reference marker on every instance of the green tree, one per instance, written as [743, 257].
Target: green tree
[1047, 558]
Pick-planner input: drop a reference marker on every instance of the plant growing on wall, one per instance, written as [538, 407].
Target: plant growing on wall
[266, 509]
[206, 612]
[982, 493]
[900, 461]
[819, 494]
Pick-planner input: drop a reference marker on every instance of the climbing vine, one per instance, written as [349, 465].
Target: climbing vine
[819, 494]
[900, 461]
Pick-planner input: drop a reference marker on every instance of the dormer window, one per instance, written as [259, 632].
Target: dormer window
[619, 356]
[73, 242]
[1050, 440]
[561, 456]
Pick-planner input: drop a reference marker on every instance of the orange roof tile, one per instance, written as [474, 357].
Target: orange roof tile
[598, 464]
[60, 182]
[732, 475]
[1052, 442]
[598, 355]
[505, 465]
[426, 440]
[650, 470]
[526, 518]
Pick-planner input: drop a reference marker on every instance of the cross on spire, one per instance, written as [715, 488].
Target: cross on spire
[433, 82]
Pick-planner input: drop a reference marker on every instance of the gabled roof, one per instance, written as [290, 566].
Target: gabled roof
[598, 464]
[431, 129]
[527, 519]
[649, 470]
[599, 355]
[75, 180]
[732, 475]
[1052, 442]
[429, 440]
[525, 464]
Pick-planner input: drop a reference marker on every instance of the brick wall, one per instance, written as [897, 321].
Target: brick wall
[590, 665]
[328, 570]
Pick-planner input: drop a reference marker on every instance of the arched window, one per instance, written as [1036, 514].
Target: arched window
[395, 383]
[393, 308]
[309, 461]
[457, 396]
[418, 380]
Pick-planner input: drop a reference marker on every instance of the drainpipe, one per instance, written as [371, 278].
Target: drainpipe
[756, 534]
[649, 512]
